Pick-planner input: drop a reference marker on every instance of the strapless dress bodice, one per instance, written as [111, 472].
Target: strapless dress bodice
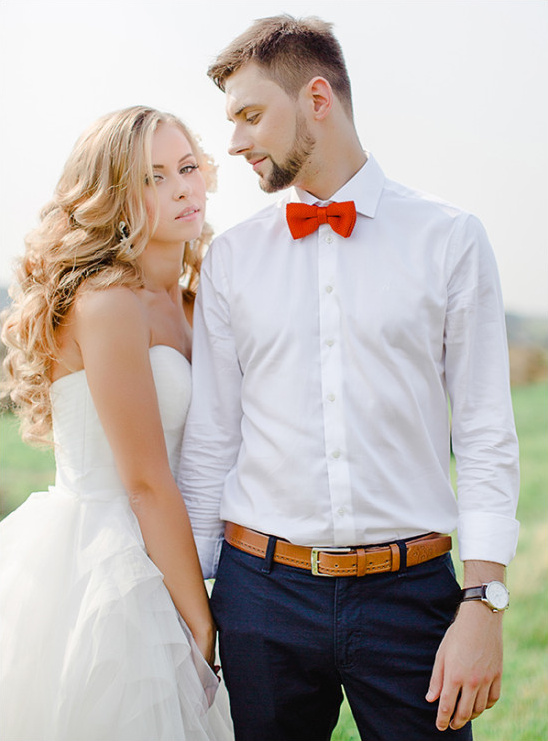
[85, 464]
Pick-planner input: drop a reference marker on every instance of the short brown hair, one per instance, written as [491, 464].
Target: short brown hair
[291, 52]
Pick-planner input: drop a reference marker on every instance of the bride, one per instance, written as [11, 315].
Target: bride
[106, 633]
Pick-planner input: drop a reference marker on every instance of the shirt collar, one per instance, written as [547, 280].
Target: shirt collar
[364, 188]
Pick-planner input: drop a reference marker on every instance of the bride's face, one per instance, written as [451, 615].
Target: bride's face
[178, 196]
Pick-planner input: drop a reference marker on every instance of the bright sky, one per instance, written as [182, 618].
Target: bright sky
[449, 95]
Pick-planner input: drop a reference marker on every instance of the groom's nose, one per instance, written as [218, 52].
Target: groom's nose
[240, 141]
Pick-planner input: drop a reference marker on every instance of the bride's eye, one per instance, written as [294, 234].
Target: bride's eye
[187, 169]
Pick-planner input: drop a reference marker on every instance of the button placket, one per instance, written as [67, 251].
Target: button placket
[331, 376]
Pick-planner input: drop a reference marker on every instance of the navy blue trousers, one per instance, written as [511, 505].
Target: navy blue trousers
[289, 641]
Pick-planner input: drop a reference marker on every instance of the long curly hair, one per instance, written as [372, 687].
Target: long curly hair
[92, 232]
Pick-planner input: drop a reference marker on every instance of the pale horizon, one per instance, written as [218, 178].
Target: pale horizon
[449, 96]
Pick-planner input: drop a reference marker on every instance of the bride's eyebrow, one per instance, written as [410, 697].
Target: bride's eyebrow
[186, 156]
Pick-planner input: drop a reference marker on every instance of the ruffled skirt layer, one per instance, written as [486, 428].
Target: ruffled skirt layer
[91, 645]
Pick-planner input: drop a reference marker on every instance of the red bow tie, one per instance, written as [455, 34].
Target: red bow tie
[303, 219]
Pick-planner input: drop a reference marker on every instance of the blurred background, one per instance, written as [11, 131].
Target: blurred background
[450, 97]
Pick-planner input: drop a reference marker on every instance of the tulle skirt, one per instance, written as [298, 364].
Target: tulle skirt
[91, 645]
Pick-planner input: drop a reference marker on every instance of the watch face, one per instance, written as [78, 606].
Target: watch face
[497, 594]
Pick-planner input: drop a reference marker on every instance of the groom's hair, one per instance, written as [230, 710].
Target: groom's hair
[289, 52]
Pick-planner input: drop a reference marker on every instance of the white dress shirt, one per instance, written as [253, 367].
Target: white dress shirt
[322, 370]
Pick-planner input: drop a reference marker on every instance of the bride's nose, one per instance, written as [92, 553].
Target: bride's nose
[182, 189]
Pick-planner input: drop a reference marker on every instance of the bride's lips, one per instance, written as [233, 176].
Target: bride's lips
[188, 213]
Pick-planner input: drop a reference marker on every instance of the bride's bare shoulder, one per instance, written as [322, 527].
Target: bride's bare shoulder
[110, 302]
[116, 310]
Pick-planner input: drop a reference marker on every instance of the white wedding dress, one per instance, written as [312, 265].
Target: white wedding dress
[91, 645]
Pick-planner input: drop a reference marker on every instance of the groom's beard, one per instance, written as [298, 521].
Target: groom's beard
[283, 175]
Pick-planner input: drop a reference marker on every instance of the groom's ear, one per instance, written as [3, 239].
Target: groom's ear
[318, 97]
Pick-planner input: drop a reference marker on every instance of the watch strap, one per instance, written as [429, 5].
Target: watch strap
[472, 593]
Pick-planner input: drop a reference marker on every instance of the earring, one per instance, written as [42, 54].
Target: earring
[125, 246]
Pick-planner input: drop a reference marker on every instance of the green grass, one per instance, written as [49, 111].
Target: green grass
[521, 714]
[23, 469]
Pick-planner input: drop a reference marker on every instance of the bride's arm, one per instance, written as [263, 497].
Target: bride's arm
[113, 337]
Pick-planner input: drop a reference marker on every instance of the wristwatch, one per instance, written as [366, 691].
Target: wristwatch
[494, 594]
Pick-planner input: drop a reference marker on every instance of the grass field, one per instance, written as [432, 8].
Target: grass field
[522, 712]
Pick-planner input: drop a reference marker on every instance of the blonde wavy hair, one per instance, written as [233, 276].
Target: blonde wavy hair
[91, 232]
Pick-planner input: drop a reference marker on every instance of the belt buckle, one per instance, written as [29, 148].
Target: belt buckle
[315, 558]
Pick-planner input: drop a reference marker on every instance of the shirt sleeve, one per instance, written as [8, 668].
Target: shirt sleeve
[478, 380]
[212, 433]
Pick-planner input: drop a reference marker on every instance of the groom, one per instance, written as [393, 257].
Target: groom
[330, 331]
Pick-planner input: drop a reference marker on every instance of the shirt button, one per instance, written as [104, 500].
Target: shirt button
[336, 454]
[330, 343]
[329, 289]
[329, 238]
[341, 511]
[331, 397]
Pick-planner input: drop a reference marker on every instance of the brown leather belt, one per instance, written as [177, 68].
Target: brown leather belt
[340, 561]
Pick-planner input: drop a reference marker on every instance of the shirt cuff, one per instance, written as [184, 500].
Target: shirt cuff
[487, 537]
[209, 551]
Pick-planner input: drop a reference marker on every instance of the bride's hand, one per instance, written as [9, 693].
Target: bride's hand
[205, 640]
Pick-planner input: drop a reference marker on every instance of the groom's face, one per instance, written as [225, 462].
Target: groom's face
[270, 128]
